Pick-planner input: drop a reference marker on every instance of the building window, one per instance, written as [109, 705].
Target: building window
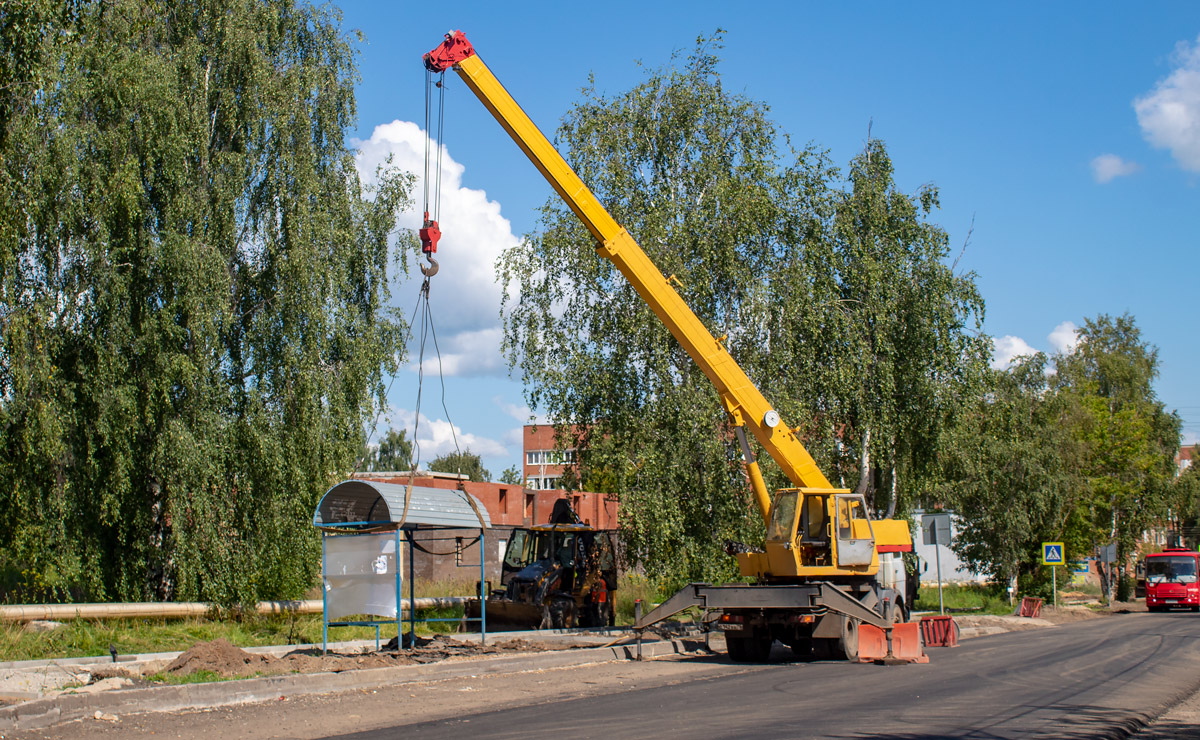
[550, 457]
[504, 500]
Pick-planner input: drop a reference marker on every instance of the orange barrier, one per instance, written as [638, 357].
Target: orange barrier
[939, 631]
[872, 643]
[1031, 607]
[905, 644]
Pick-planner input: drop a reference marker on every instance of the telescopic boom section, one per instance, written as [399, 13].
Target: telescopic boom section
[745, 404]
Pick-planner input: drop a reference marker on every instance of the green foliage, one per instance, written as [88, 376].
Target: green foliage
[1083, 454]
[91, 637]
[1128, 437]
[201, 676]
[1007, 472]
[904, 350]
[630, 588]
[394, 452]
[194, 288]
[1125, 588]
[464, 462]
[772, 253]
[512, 476]
[1184, 500]
[974, 598]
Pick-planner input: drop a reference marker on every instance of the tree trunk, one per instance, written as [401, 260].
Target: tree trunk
[864, 465]
[891, 507]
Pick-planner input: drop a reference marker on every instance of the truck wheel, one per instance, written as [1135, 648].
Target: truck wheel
[752, 649]
[849, 639]
[562, 614]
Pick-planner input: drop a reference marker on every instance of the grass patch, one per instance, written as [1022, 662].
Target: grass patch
[630, 587]
[970, 598]
[201, 676]
[92, 637]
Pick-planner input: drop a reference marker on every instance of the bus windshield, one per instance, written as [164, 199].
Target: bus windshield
[1176, 568]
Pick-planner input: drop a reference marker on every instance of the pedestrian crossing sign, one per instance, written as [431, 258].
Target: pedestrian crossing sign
[1052, 553]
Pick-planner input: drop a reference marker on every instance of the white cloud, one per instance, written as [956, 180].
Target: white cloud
[1170, 113]
[436, 437]
[1108, 167]
[464, 296]
[523, 414]
[1006, 349]
[467, 353]
[1064, 337]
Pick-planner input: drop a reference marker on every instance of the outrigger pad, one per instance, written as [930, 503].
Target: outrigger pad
[906, 644]
[872, 643]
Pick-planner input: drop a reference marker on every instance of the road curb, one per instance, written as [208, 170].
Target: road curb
[42, 713]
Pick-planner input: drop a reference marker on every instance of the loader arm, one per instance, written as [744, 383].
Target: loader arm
[743, 401]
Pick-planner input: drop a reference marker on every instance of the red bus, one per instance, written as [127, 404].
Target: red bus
[1171, 580]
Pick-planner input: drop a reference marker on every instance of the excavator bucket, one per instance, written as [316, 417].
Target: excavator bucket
[905, 644]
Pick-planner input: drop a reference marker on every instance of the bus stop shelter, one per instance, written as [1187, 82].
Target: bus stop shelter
[364, 525]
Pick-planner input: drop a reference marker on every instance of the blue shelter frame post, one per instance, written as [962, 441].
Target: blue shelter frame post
[412, 589]
[482, 588]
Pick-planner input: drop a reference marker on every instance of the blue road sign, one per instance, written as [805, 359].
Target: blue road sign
[1052, 553]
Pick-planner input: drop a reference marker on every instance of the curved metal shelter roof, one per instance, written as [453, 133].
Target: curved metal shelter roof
[370, 503]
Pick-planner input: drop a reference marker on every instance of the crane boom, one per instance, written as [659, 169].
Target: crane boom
[819, 584]
[743, 401]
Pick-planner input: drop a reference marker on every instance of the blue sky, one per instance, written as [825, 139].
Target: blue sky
[1069, 133]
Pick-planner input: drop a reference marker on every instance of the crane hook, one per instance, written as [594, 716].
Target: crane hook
[430, 234]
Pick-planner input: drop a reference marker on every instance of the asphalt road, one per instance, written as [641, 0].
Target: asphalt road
[1095, 679]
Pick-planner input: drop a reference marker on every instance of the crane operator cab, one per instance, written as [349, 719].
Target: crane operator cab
[815, 533]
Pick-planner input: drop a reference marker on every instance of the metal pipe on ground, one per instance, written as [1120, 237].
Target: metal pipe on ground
[32, 612]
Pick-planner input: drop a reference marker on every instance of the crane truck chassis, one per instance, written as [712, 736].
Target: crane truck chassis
[815, 580]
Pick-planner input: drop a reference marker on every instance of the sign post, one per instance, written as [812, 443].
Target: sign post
[936, 530]
[1053, 555]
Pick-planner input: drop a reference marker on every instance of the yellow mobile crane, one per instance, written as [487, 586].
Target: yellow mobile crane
[816, 578]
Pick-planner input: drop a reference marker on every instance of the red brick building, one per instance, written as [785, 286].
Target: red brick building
[510, 505]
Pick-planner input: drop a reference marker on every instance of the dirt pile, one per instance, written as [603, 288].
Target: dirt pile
[228, 661]
[218, 656]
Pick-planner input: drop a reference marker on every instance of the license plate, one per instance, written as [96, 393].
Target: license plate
[1170, 601]
[729, 627]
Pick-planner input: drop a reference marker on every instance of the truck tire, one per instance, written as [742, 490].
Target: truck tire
[848, 643]
[752, 649]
